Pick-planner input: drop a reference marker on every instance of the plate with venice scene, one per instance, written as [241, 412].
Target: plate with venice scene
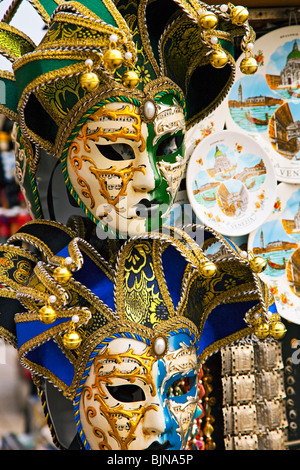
[267, 104]
[230, 183]
[277, 240]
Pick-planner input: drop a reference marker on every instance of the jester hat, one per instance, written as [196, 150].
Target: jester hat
[159, 284]
[137, 51]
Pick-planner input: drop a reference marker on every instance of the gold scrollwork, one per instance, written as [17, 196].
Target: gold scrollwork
[118, 414]
[124, 174]
[122, 114]
[76, 163]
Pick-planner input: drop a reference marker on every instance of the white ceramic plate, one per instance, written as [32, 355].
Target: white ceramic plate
[278, 241]
[231, 183]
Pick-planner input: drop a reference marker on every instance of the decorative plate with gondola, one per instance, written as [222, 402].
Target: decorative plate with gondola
[231, 183]
[277, 240]
[267, 104]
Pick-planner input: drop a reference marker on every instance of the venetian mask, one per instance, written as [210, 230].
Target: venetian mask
[127, 171]
[134, 400]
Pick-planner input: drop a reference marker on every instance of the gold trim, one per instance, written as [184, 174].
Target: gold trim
[8, 337]
[6, 51]
[7, 293]
[36, 242]
[159, 275]
[141, 14]
[32, 240]
[41, 10]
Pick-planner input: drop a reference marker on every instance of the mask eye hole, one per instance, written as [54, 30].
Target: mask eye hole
[126, 393]
[169, 145]
[116, 152]
[181, 386]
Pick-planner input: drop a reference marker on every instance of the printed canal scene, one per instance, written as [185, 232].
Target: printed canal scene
[251, 103]
[284, 131]
[274, 245]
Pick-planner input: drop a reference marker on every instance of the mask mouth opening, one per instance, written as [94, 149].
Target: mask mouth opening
[158, 446]
[146, 208]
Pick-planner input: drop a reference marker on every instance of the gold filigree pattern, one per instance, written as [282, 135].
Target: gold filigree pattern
[115, 115]
[123, 423]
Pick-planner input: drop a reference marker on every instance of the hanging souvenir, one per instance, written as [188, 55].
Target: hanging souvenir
[277, 240]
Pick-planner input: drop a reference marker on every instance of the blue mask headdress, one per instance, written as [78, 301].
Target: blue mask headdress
[172, 281]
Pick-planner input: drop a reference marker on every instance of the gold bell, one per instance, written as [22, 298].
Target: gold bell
[218, 59]
[71, 340]
[89, 81]
[208, 269]
[239, 15]
[262, 330]
[208, 20]
[47, 314]
[62, 275]
[277, 330]
[258, 264]
[112, 59]
[130, 79]
[248, 65]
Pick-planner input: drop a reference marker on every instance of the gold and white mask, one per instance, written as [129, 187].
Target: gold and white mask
[126, 171]
[135, 400]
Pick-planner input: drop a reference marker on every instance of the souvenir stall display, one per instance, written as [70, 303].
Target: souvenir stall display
[141, 331]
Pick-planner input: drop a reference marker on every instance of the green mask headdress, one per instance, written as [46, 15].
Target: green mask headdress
[94, 52]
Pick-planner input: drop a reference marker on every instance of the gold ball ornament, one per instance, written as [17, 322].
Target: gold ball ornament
[258, 264]
[89, 81]
[248, 66]
[277, 330]
[71, 340]
[239, 15]
[62, 275]
[112, 59]
[262, 330]
[218, 59]
[130, 79]
[47, 315]
[208, 269]
[208, 20]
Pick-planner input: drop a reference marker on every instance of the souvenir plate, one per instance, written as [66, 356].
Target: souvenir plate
[278, 241]
[267, 104]
[231, 183]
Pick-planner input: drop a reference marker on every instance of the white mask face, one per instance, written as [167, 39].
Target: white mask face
[126, 172]
[131, 400]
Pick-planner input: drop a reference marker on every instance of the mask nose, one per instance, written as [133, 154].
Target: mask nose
[143, 179]
[154, 422]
